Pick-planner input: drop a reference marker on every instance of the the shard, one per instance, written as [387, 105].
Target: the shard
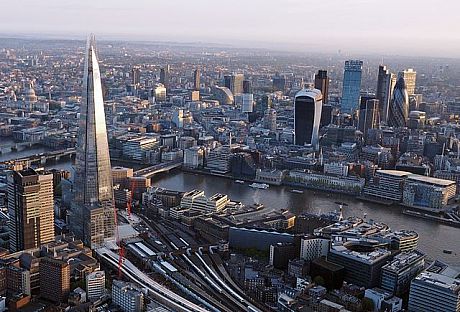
[92, 216]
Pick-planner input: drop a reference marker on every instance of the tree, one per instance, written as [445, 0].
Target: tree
[367, 304]
[319, 280]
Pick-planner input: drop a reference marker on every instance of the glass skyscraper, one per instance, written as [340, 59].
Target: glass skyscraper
[351, 85]
[92, 217]
[399, 108]
[307, 117]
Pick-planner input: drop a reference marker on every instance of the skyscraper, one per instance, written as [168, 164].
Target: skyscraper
[30, 209]
[247, 86]
[409, 76]
[385, 85]
[164, 76]
[234, 82]
[196, 79]
[307, 116]
[351, 85]
[92, 217]
[322, 84]
[368, 114]
[279, 83]
[136, 75]
[247, 105]
[399, 108]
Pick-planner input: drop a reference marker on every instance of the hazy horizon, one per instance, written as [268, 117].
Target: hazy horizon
[392, 27]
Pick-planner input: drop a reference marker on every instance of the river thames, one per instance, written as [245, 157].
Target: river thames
[434, 237]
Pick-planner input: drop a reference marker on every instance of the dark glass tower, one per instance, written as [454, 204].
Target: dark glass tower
[92, 216]
[307, 116]
[164, 76]
[385, 85]
[368, 114]
[399, 108]
[322, 84]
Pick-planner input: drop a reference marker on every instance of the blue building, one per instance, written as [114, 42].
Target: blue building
[351, 85]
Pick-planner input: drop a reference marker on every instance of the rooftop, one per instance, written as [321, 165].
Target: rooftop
[439, 281]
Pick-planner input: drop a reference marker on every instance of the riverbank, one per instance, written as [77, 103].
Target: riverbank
[432, 217]
[434, 236]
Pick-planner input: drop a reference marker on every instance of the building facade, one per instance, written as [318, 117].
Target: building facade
[433, 292]
[95, 285]
[54, 280]
[307, 117]
[399, 108]
[351, 85]
[92, 217]
[30, 209]
[322, 84]
[127, 296]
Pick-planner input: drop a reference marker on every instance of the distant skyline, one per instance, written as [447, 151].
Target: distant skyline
[385, 27]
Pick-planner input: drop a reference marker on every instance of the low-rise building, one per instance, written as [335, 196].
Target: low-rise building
[433, 292]
[398, 274]
[127, 296]
[313, 247]
[95, 285]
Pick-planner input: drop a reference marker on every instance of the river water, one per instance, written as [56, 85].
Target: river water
[434, 237]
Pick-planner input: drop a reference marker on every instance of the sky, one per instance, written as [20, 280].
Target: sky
[386, 27]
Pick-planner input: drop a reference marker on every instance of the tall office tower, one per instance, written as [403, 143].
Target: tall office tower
[270, 119]
[30, 209]
[247, 86]
[279, 83]
[196, 79]
[165, 75]
[307, 116]
[247, 105]
[409, 77]
[234, 82]
[385, 85]
[265, 103]
[351, 85]
[322, 84]
[92, 217]
[368, 115]
[399, 108]
[54, 280]
[136, 75]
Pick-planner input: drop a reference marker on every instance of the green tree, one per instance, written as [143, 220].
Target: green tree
[319, 280]
[367, 305]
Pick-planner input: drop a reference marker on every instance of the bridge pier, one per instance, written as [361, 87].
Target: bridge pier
[43, 160]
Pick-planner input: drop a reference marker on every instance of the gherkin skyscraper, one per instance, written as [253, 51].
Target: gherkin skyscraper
[92, 216]
[399, 108]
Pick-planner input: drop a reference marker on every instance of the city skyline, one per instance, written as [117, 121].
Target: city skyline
[252, 24]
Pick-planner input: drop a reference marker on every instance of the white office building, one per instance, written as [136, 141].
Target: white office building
[435, 292]
[95, 285]
[127, 296]
[313, 247]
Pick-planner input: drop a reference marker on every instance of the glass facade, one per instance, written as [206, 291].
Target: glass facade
[93, 215]
[399, 108]
[351, 85]
[307, 116]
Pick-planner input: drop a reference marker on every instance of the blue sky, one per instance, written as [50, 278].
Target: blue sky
[407, 27]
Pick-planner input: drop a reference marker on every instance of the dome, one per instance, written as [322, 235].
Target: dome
[29, 94]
